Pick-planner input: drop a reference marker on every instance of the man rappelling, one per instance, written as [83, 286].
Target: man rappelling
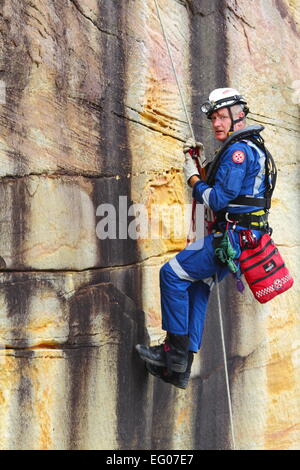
[237, 190]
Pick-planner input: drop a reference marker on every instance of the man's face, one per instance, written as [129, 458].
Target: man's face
[221, 124]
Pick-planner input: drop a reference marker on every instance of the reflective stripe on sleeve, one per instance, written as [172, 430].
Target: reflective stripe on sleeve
[205, 196]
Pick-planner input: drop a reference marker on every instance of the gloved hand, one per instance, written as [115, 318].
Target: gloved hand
[189, 167]
[198, 146]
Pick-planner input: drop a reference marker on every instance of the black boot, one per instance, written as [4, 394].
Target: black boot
[172, 354]
[178, 379]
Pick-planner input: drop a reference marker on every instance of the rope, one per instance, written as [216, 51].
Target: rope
[174, 70]
[225, 363]
[217, 284]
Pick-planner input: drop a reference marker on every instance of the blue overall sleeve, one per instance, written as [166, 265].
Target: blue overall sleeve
[228, 181]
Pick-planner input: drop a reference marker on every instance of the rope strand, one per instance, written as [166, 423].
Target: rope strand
[225, 363]
[174, 70]
[217, 285]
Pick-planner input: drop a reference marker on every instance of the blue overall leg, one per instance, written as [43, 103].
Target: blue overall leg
[184, 299]
[198, 299]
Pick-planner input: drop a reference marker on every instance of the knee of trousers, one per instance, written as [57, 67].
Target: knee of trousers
[167, 276]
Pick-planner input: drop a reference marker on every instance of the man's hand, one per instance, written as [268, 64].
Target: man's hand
[198, 150]
[190, 168]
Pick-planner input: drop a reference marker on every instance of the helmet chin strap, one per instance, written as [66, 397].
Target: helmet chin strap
[233, 121]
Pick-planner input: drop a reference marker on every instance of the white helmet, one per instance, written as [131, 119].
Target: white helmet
[223, 98]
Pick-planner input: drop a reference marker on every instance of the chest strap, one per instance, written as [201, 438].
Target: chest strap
[264, 202]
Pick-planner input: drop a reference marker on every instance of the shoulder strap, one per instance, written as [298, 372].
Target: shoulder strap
[250, 133]
[232, 139]
[270, 178]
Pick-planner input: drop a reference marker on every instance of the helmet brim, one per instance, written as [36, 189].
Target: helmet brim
[209, 107]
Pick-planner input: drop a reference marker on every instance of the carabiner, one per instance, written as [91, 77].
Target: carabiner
[228, 220]
[234, 222]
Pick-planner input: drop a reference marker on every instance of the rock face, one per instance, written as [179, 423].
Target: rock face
[91, 131]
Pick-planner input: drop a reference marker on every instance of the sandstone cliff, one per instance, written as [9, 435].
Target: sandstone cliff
[91, 116]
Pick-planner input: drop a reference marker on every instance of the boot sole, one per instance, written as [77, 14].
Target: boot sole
[175, 367]
[177, 384]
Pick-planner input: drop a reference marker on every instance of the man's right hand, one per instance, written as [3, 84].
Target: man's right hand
[190, 168]
[191, 144]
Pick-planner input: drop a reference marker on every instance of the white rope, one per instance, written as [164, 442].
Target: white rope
[225, 363]
[217, 284]
[174, 70]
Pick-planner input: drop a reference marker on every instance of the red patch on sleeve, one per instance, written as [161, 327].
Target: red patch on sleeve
[238, 156]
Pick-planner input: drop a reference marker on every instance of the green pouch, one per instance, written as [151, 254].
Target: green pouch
[224, 251]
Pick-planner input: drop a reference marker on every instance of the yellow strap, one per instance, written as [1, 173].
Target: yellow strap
[260, 212]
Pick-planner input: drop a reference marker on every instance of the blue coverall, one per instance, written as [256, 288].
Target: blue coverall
[186, 280]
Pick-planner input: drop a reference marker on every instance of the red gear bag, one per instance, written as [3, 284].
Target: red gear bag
[264, 270]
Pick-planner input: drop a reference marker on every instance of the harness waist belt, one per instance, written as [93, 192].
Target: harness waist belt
[258, 219]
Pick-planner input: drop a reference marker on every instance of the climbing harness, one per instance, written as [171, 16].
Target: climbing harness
[201, 172]
[257, 220]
